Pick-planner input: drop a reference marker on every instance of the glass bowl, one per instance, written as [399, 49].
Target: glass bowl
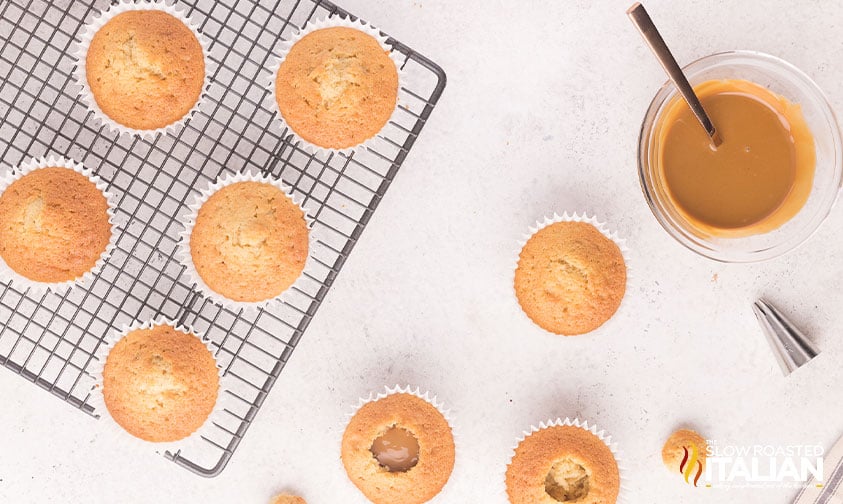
[783, 79]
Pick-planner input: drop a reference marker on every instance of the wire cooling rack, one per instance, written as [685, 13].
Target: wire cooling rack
[51, 340]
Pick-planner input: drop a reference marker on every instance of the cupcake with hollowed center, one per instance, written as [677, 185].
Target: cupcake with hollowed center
[398, 448]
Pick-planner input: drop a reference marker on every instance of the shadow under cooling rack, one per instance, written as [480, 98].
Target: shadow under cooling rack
[51, 340]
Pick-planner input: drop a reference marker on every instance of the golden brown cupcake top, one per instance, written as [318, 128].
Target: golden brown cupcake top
[562, 464]
[288, 499]
[53, 225]
[250, 241]
[145, 69]
[434, 443]
[685, 453]
[570, 278]
[160, 384]
[337, 87]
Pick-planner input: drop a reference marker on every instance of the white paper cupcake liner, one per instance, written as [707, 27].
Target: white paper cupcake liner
[80, 70]
[184, 255]
[117, 433]
[443, 495]
[623, 492]
[310, 27]
[34, 286]
[605, 231]
[407, 389]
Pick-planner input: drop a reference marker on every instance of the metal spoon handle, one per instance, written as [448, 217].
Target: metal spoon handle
[651, 35]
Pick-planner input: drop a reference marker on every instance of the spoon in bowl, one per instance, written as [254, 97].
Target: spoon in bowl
[651, 35]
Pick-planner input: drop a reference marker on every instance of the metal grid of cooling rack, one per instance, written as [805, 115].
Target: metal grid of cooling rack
[51, 340]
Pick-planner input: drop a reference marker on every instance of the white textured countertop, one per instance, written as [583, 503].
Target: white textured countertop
[541, 114]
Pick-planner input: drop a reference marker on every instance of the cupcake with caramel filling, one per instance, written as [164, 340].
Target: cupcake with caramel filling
[398, 447]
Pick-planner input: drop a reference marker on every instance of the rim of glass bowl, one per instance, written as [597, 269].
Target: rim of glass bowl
[662, 210]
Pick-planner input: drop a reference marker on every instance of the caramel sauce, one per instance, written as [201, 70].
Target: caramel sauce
[397, 450]
[756, 180]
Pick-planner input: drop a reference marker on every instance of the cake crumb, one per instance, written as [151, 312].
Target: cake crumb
[288, 499]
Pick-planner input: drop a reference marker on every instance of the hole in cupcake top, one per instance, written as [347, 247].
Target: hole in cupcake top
[567, 481]
[396, 450]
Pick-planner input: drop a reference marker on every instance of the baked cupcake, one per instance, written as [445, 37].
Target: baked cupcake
[563, 462]
[337, 86]
[571, 275]
[685, 452]
[398, 448]
[160, 383]
[144, 66]
[248, 240]
[55, 222]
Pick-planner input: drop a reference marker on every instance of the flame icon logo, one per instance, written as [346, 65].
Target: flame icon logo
[689, 463]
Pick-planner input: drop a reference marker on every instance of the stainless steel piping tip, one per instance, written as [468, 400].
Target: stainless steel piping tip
[790, 346]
